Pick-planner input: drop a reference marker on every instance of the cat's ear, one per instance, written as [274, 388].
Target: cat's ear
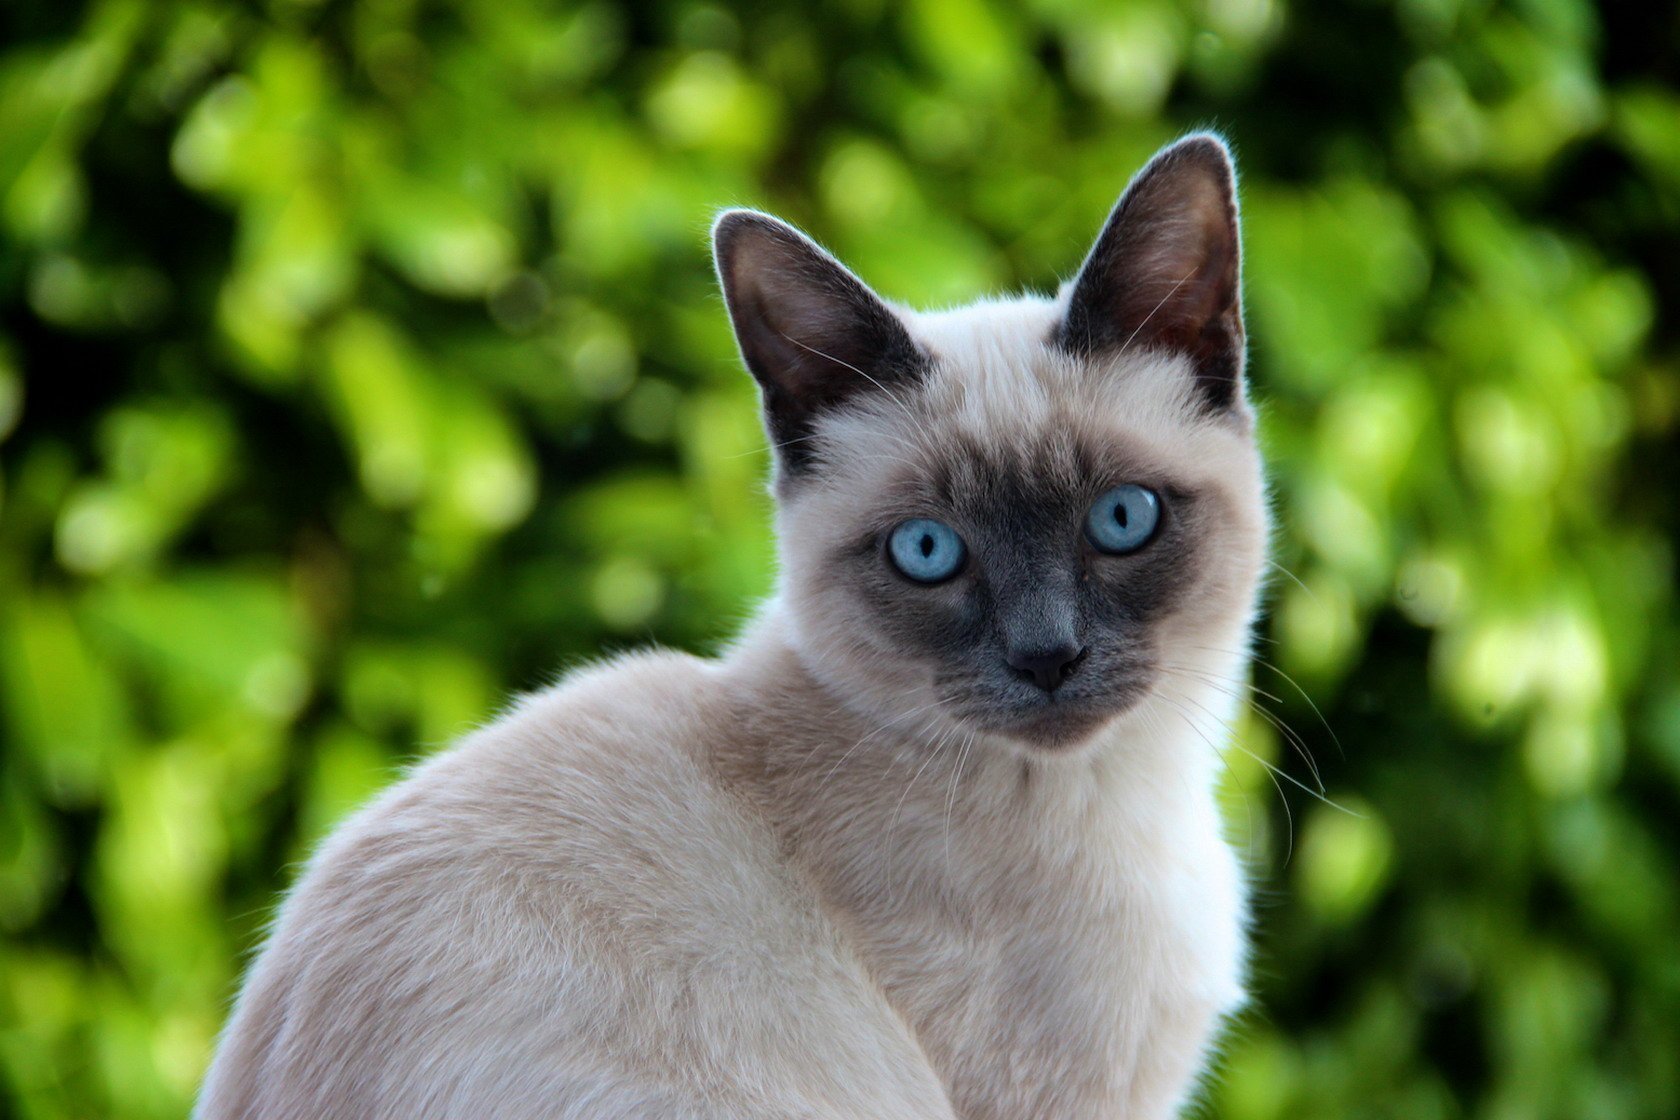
[1166, 270]
[811, 332]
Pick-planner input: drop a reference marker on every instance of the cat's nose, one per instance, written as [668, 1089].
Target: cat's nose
[1047, 668]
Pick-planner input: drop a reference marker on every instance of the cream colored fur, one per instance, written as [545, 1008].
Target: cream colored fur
[779, 883]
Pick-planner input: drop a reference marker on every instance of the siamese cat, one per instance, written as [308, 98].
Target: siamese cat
[936, 837]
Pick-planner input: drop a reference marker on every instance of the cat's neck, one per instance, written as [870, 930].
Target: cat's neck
[828, 769]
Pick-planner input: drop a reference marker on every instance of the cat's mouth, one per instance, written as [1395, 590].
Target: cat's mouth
[1050, 721]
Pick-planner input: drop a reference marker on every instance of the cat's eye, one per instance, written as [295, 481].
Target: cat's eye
[1123, 519]
[926, 551]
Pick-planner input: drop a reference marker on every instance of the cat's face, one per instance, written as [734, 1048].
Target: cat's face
[1020, 518]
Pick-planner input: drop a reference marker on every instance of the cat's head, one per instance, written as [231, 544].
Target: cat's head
[1018, 518]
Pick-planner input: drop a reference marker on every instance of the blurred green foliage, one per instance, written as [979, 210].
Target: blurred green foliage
[360, 362]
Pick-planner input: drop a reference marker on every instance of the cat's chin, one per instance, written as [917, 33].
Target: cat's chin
[1059, 727]
[1062, 722]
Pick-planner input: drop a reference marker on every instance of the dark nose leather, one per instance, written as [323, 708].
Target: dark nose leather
[1047, 668]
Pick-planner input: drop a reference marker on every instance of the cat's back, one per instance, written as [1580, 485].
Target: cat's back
[598, 783]
[600, 773]
[564, 915]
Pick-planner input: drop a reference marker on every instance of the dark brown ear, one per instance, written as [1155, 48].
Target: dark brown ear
[810, 331]
[1166, 271]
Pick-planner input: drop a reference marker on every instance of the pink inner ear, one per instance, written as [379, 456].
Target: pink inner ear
[811, 332]
[1165, 272]
[1176, 268]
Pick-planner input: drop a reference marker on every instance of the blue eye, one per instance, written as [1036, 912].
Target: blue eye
[1123, 519]
[926, 551]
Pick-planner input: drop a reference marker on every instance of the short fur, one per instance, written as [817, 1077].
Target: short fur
[857, 866]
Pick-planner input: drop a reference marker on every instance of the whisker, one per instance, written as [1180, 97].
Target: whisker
[1258, 660]
[1311, 594]
[892, 826]
[1288, 813]
[882, 729]
[1224, 687]
[1170, 293]
[1284, 774]
[1153, 724]
[951, 796]
[1303, 694]
[890, 395]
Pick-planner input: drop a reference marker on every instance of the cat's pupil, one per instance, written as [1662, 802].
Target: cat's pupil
[1120, 515]
[927, 545]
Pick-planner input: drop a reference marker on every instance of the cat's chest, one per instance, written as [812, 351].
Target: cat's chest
[1040, 987]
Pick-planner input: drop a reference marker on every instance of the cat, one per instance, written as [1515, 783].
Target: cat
[936, 837]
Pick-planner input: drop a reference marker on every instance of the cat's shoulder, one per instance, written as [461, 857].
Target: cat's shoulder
[649, 708]
[633, 694]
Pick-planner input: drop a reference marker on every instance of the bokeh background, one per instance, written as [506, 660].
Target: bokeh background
[360, 362]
